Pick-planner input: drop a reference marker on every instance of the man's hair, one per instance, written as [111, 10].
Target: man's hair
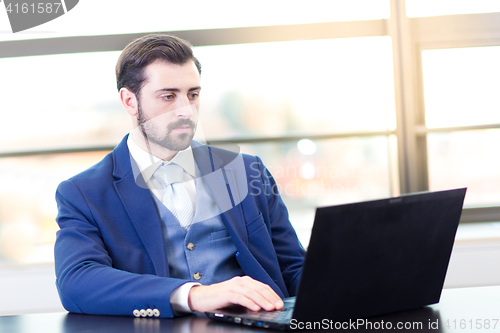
[146, 50]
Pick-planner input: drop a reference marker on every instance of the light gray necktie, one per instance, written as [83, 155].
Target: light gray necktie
[176, 197]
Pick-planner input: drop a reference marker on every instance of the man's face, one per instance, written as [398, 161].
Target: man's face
[168, 104]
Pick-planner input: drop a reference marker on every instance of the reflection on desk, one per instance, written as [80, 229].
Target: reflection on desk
[460, 310]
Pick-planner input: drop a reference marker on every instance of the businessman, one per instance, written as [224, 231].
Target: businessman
[165, 225]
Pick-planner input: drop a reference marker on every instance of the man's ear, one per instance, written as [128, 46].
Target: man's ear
[129, 101]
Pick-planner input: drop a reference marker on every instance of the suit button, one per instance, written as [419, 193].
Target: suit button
[136, 313]
[149, 312]
[156, 312]
[197, 276]
[143, 313]
[190, 246]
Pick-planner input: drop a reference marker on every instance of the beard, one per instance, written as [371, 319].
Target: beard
[164, 136]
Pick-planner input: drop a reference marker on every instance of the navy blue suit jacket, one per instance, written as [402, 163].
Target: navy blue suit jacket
[110, 256]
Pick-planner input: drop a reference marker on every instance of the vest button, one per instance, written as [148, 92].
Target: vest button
[190, 246]
[197, 276]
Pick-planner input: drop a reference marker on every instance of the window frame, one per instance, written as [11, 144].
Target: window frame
[410, 36]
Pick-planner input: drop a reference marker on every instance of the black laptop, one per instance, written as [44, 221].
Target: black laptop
[367, 259]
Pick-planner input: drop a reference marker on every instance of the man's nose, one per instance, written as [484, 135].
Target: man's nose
[184, 111]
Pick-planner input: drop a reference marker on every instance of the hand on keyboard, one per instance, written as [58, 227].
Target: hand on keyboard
[243, 291]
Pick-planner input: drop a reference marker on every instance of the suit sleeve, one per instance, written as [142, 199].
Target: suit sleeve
[289, 251]
[86, 281]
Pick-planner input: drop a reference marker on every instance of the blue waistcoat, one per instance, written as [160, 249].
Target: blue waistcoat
[205, 253]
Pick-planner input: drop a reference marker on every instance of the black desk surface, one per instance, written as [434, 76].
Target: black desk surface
[460, 310]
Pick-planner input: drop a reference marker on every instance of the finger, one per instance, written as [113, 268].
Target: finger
[243, 300]
[260, 293]
[267, 292]
[271, 296]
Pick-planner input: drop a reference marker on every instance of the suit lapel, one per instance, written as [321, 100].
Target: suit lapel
[140, 207]
[216, 176]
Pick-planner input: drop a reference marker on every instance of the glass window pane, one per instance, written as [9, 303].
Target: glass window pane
[461, 86]
[27, 205]
[131, 16]
[419, 8]
[60, 101]
[325, 172]
[466, 159]
[295, 88]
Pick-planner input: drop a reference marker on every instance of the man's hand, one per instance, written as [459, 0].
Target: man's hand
[241, 290]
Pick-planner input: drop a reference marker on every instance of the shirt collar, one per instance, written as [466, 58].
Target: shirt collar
[148, 163]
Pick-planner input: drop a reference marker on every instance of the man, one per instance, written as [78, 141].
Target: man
[164, 225]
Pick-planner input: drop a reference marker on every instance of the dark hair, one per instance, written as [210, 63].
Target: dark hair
[145, 50]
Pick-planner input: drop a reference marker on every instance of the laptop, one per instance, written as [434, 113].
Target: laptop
[367, 259]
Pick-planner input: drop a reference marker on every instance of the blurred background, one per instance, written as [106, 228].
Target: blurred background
[344, 100]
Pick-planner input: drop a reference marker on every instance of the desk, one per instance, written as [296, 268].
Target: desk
[459, 310]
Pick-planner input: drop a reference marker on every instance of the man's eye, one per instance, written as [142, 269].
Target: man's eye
[194, 96]
[168, 97]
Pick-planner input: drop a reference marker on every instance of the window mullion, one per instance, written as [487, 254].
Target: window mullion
[412, 169]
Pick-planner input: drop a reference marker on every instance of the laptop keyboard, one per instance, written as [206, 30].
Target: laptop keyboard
[283, 315]
[279, 319]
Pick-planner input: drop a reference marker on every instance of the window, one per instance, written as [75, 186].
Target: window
[466, 159]
[461, 90]
[315, 87]
[343, 100]
[27, 205]
[60, 101]
[461, 86]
